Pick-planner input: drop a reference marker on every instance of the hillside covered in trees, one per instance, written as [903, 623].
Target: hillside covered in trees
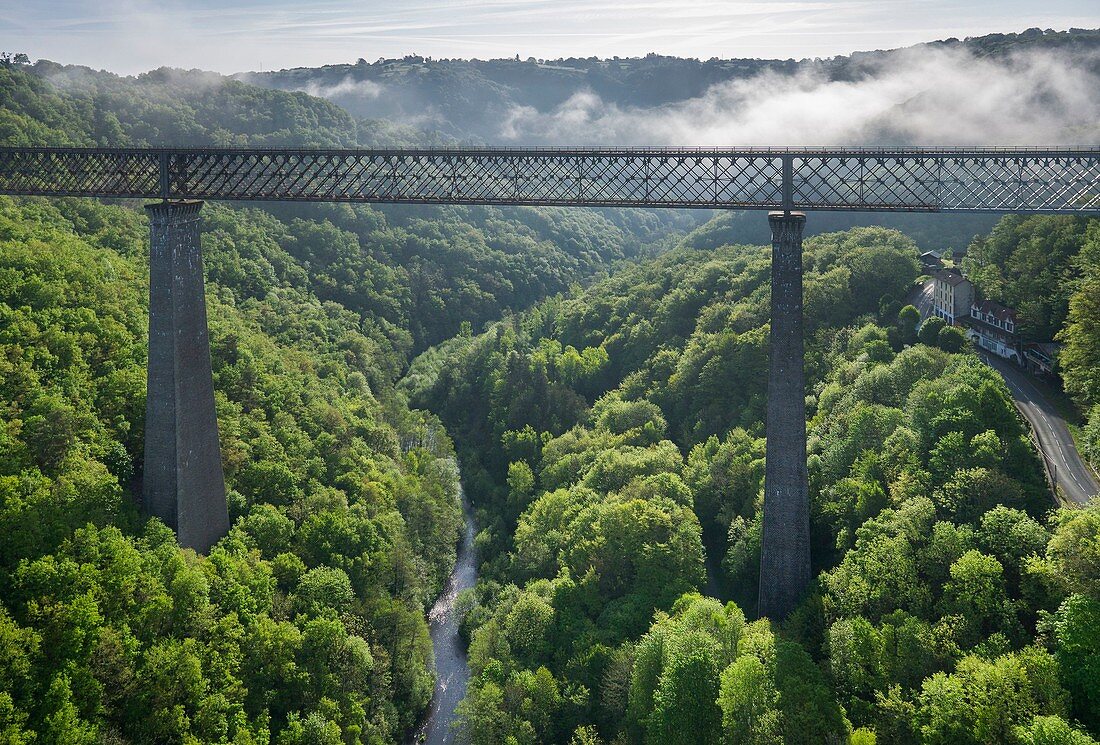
[308, 618]
[613, 443]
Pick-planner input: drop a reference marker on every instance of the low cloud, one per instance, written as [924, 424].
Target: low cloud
[923, 96]
[192, 82]
[346, 87]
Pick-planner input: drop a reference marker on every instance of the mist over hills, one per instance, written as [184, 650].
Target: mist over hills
[1030, 88]
[1020, 88]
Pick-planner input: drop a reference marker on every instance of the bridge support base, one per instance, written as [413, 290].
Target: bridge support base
[183, 482]
[785, 549]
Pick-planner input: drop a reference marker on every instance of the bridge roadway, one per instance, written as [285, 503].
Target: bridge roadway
[183, 482]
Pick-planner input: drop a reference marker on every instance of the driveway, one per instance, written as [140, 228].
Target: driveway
[921, 297]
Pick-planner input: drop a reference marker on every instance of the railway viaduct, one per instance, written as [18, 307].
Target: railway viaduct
[183, 480]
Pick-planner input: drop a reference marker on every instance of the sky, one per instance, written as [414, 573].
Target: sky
[130, 36]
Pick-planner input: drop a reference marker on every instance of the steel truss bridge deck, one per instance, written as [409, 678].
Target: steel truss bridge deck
[906, 179]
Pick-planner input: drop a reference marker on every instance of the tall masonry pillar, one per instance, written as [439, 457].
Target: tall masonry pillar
[183, 483]
[785, 548]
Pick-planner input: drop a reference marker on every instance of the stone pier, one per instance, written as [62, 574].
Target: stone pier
[183, 481]
[785, 548]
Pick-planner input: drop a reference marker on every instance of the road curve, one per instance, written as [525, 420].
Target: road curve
[1071, 474]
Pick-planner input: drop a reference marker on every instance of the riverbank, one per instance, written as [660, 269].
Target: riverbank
[452, 670]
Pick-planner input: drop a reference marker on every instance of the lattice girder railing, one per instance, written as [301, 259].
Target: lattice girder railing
[913, 179]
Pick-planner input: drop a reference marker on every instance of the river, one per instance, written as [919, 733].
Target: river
[452, 672]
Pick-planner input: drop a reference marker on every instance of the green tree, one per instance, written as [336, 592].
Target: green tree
[321, 589]
[684, 709]
[1051, 730]
[984, 701]
[1077, 648]
[907, 325]
[951, 339]
[749, 703]
[930, 331]
[976, 595]
[1075, 551]
[63, 724]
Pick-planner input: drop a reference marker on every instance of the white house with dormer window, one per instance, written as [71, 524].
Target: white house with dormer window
[992, 327]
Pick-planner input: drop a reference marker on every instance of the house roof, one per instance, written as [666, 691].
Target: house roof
[951, 277]
[1000, 312]
[988, 329]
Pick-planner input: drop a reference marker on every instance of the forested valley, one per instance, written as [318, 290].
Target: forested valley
[613, 441]
[597, 380]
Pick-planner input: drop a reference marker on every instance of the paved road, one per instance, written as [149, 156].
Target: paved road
[921, 297]
[1070, 472]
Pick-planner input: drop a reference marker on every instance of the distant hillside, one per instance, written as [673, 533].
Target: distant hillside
[477, 99]
[51, 104]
